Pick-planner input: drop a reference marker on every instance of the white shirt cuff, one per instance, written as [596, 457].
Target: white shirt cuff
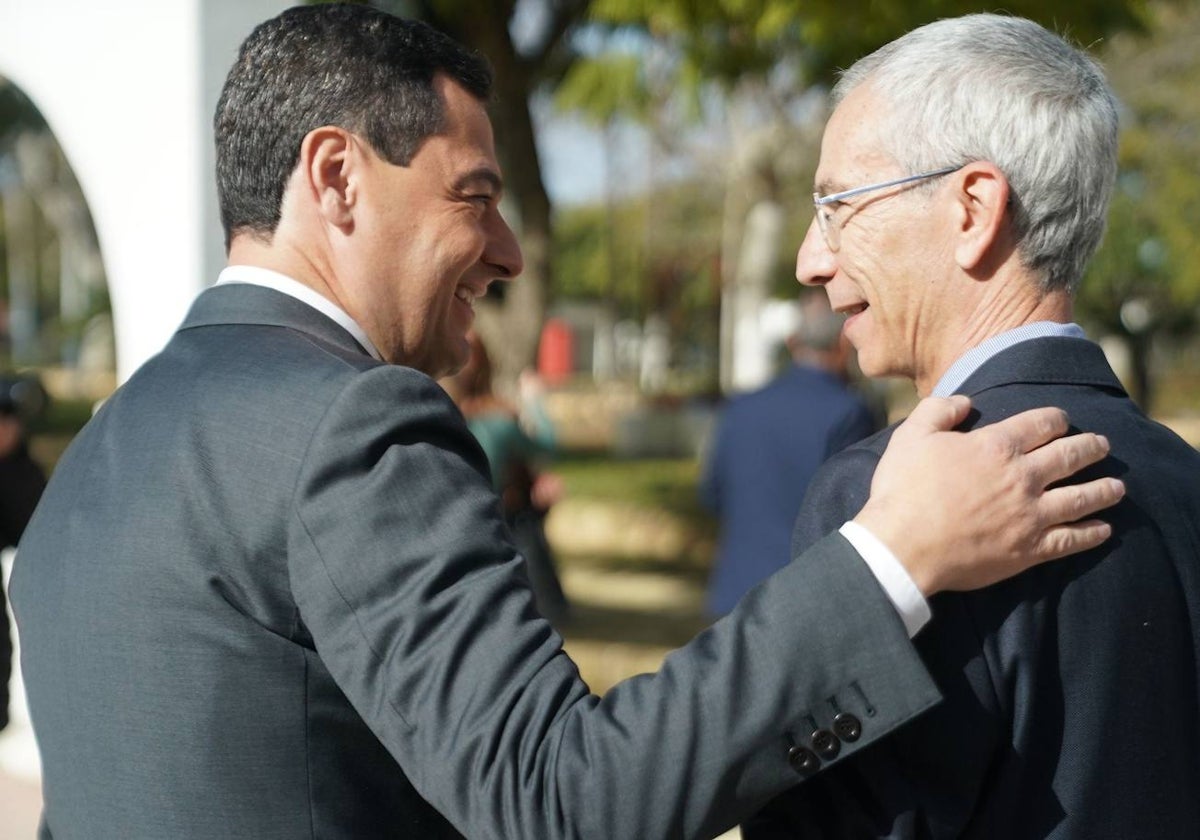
[892, 576]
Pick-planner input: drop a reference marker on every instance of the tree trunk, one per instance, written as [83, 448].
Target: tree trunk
[753, 230]
[1140, 384]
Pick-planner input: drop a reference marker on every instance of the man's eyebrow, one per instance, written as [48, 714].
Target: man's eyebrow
[827, 187]
[482, 174]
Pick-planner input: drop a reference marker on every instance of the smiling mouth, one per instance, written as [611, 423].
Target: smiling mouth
[466, 295]
[851, 311]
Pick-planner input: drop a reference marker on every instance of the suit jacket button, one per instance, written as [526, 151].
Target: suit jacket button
[847, 727]
[826, 744]
[803, 760]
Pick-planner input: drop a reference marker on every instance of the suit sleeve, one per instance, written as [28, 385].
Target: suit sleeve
[837, 492]
[923, 780]
[417, 604]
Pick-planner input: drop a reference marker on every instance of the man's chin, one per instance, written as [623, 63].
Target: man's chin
[454, 360]
[448, 370]
[869, 365]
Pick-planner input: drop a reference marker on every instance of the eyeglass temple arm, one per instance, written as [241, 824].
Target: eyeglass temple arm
[838, 196]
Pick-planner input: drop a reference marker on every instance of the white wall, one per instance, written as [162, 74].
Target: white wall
[128, 87]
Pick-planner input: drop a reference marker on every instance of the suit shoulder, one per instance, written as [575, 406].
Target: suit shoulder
[870, 447]
[278, 386]
[845, 473]
[284, 356]
[838, 491]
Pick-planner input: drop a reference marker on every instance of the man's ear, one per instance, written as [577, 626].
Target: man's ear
[980, 212]
[328, 164]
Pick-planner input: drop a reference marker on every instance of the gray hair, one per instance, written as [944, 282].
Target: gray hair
[1006, 90]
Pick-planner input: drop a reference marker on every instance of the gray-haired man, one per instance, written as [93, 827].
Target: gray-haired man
[963, 185]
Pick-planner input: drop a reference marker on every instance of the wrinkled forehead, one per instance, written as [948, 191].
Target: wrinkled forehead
[852, 146]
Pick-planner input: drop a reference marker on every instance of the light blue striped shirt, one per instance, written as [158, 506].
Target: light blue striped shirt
[974, 359]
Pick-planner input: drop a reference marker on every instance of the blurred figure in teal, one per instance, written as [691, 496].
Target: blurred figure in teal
[768, 445]
[514, 437]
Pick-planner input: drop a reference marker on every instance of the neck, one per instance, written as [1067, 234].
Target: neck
[993, 315]
[277, 255]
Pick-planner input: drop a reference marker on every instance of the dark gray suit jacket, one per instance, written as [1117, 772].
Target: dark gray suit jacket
[268, 594]
[1072, 708]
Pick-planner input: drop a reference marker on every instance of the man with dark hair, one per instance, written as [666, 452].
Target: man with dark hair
[268, 592]
[372, 76]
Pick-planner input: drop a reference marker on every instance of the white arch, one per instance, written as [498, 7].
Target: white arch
[128, 88]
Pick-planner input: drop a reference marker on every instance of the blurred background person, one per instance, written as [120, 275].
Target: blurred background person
[21, 483]
[768, 445]
[514, 437]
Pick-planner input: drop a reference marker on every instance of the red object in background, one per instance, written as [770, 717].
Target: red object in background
[556, 351]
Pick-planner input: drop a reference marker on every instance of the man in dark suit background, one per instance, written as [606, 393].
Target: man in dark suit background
[767, 447]
[1071, 703]
[268, 593]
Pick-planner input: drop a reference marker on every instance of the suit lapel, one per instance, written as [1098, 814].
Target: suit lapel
[244, 303]
[1045, 361]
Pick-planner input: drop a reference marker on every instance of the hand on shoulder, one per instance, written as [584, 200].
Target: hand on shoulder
[963, 510]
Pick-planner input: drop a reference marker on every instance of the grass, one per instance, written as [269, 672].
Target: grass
[1177, 391]
[667, 484]
[634, 547]
[633, 516]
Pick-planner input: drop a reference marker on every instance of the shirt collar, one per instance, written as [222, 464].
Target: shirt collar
[256, 276]
[974, 359]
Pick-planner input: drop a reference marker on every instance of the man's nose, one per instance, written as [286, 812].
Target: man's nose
[503, 252]
[815, 263]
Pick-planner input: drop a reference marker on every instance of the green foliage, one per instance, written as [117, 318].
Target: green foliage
[653, 252]
[17, 113]
[806, 41]
[604, 88]
[43, 217]
[1151, 253]
[665, 484]
[597, 256]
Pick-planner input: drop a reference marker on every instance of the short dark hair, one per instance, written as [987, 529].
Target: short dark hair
[334, 64]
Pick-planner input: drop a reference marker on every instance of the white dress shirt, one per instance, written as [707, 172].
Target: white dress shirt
[255, 276]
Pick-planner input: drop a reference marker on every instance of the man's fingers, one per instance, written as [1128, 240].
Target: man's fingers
[935, 414]
[964, 510]
[1060, 459]
[1070, 504]
[1031, 429]
[1063, 540]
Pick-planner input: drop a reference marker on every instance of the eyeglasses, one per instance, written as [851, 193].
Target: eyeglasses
[831, 231]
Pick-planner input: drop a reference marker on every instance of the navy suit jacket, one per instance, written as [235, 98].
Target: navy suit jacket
[268, 595]
[1071, 691]
[767, 448]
